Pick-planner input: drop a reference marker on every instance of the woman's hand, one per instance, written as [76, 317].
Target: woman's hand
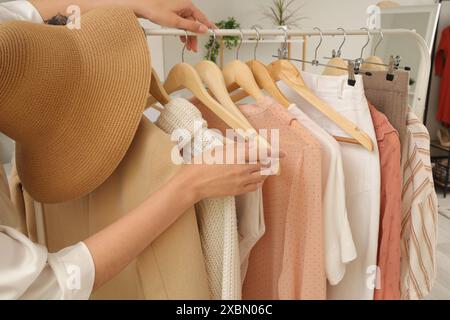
[219, 180]
[181, 14]
[131, 234]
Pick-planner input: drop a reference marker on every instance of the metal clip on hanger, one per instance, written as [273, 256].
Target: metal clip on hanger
[263, 77]
[338, 53]
[336, 60]
[316, 62]
[283, 51]
[351, 74]
[360, 60]
[394, 61]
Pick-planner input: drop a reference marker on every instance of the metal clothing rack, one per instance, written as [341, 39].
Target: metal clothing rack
[423, 71]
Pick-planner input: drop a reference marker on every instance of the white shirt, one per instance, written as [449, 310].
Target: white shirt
[19, 10]
[362, 177]
[27, 270]
[339, 246]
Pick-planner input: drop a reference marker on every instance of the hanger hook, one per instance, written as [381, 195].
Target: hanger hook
[258, 38]
[184, 47]
[316, 53]
[282, 53]
[213, 45]
[367, 42]
[379, 42]
[344, 33]
[240, 44]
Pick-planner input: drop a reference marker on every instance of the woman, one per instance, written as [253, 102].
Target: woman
[28, 270]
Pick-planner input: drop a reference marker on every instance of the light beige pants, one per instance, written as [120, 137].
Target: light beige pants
[172, 267]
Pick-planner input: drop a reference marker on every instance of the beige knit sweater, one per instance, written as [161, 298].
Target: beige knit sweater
[216, 217]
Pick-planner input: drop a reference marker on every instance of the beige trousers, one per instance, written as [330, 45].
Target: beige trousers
[172, 267]
[390, 97]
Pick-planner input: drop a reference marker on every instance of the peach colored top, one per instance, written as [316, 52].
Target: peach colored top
[288, 262]
[388, 260]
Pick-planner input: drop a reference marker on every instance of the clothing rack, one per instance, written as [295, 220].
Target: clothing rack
[423, 71]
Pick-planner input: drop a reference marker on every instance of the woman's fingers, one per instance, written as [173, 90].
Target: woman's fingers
[189, 25]
[199, 16]
[256, 178]
[192, 42]
[250, 188]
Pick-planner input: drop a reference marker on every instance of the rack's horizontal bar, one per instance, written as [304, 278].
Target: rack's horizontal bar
[275, 32]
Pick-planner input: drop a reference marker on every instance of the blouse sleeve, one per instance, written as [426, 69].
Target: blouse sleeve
[28, 271]
[19, 10]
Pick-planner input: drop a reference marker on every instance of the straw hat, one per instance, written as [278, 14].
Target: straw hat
[72, 99]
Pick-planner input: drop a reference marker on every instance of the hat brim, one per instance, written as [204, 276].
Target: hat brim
[105, 103]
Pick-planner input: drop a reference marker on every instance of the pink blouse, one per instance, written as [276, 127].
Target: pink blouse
[388, 281]
[288, 262]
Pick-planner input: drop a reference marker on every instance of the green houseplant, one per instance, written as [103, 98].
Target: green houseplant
[229, 42]
[283, 13]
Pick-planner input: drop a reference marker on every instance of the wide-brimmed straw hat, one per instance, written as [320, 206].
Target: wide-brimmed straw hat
[72, 99]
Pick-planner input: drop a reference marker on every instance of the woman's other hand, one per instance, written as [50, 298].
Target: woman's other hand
[180, 14]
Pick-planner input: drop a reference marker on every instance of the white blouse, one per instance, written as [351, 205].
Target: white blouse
[19, 10]
[27, 270]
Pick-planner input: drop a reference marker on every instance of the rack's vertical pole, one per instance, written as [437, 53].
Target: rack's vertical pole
[289, 48]
[304, 47]
[221, 53]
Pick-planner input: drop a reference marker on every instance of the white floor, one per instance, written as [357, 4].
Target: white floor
[441, 290]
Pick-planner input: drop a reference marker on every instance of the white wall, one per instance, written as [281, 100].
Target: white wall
[326, 14]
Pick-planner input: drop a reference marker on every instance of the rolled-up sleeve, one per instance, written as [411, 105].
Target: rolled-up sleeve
[28, 271]
[19, 10]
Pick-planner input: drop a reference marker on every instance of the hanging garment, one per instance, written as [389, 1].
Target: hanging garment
[28, 271]
[4, 182]
[251, 225]
[172, 267]
[419, 214]
[249, 206]
[25, 206]
[216, 217]
[288, 261]
[362, 178]
[339, 246]
[390, 97]
[443, 70]
[388, 282]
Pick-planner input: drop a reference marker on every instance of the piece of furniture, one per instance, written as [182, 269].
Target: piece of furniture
[423, 19]
[440, 158]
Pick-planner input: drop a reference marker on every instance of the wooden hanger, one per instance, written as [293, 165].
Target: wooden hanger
[210, 73]
[184, 76]
[263, 77]
[238, 75]
[284, 70]
[337, 61]
[212, 76]
[157, 91]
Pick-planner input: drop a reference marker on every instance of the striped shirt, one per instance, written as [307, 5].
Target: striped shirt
[419, 214]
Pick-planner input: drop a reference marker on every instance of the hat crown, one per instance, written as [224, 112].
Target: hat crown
[35, 88]
[72, 99]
